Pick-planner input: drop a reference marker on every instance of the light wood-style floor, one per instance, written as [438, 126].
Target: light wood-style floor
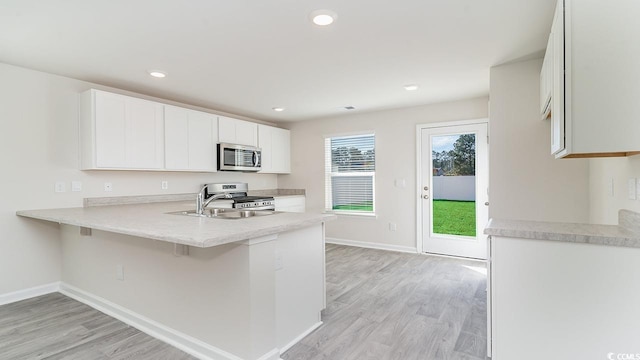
[57, 327]
[392, 306]
[380, 305]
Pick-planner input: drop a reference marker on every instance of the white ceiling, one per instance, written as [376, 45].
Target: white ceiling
[246, 57]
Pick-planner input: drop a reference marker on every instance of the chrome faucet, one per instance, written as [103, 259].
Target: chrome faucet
[201, 203]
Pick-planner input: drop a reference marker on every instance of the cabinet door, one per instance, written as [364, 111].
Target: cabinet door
[246, 133]
[236, 131]
[176, 144]
[557, 112]
[265, 137]
[144, 141]
[110, 128]
[129, 132]
[227, 130]
[190, 139]
[281, 150]
[202, 141]
[546, 80]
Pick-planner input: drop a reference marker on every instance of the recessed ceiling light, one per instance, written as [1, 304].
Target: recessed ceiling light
[411, 87]
[323, 17]
[278, 109]
[156, 73]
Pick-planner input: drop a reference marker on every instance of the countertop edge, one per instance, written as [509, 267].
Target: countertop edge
[186, 240]
[608, 235]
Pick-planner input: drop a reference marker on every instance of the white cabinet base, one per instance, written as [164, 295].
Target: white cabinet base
[558, 300]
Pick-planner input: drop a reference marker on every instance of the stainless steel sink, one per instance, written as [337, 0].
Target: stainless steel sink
[231, 214]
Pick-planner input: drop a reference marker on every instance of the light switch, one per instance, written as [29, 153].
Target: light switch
[76, 186]
[400, 183]
[632, 188]
[61, 187]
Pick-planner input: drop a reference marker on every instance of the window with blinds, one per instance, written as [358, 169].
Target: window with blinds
[350, 165]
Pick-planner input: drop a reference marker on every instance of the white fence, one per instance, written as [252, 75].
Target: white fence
[462, 188]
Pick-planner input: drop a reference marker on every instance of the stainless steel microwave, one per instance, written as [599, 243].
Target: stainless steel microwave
[234, 157]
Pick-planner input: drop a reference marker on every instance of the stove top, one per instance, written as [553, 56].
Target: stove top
[237, 192]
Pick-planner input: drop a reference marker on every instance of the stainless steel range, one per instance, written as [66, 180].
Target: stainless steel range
[237, 192]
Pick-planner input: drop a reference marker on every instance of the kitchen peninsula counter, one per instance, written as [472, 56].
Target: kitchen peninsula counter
[154, 221]
[243, 289]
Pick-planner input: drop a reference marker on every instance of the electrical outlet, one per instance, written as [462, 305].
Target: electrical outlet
[108, 187]
[120, 272]
[164, 185]
[60, 187]
[393, 227]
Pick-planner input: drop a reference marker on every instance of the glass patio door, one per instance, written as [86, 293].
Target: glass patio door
[454, 190]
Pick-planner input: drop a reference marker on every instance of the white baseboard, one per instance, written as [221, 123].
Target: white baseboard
[271, 355]
[29, 293]
[369, 245]
[184, 342]
[300, 337]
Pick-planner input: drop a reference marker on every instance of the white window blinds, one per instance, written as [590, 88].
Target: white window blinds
[350, 174]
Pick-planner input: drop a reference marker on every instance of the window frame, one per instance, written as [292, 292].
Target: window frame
[329, 175]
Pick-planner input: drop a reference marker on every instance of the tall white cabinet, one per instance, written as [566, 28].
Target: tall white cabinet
[595, 52]
[120, 132]
[276, 149]
[190, 139]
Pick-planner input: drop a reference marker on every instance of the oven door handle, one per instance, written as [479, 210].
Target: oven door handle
[264, 207]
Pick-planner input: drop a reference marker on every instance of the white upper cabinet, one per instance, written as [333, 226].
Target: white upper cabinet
[596, 55]
[120, 132]
[190, 139]
[236, 131]
[276, 149]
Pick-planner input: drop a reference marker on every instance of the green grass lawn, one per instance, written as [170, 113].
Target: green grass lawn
[454, 217]
[354, 207]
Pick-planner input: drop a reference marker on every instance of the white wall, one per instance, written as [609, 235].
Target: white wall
[604, 207]
[39, 146]
[395, 132]
[525, 181]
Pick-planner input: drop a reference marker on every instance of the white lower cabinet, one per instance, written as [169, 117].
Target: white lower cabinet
[190, 139]
[276, 149]
[292, 203]
[120, 132]
[561, 300]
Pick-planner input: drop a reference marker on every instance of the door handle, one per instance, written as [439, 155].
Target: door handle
[486, 204]
[425, 197]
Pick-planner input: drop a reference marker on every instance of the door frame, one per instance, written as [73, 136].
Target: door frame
[418, 189]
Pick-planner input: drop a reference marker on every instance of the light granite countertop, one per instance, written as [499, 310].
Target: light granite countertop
[625, 234]
[151, 220]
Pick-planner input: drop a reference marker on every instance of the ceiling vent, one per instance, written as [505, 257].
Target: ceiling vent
[349, 107]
